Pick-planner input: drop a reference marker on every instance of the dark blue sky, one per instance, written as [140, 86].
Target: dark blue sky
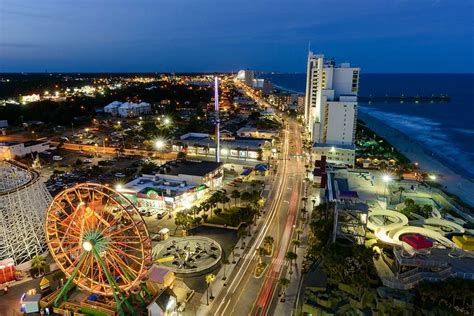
[224, 35]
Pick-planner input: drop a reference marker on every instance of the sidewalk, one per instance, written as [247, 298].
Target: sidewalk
[287, 307]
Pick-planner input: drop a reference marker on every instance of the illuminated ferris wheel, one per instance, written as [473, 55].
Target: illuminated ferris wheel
[99, 240]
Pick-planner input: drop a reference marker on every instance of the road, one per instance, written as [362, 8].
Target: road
[246, 294]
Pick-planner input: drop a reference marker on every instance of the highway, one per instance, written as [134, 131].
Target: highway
[246, 294]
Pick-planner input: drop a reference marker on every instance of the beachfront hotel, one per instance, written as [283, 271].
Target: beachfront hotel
[330, 111]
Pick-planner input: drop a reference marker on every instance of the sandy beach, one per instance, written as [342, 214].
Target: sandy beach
[453, 180]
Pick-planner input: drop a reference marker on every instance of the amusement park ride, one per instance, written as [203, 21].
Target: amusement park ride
[101, 243]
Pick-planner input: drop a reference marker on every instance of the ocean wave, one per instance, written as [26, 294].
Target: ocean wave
[429, 133]
[464, 130]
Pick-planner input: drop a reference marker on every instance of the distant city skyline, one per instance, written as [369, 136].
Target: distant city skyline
[204, 36]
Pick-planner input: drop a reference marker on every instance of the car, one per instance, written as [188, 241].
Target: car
[144, 211]
[87, 160]
[120, 175]
[57, 158]
[160, 214]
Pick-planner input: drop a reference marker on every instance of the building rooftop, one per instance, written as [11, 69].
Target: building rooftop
[200, 139]
[152, 186]
[189, 167]
[340, 146]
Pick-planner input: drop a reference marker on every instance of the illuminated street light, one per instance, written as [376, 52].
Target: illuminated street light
[167, 121]
[386, 178]
[159, 144]
[118, 187]
[432, 177]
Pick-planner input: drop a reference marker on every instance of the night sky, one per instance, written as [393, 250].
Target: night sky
[224, 35]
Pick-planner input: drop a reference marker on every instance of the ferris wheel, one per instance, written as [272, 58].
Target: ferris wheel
[99, 240]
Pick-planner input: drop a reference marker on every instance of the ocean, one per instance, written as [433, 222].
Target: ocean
[446, 129]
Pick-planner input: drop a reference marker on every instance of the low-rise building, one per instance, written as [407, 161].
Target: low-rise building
[11, 150]
[177, 184]
[127, 109]
[254, 132]
[242, 148]
[336, 154]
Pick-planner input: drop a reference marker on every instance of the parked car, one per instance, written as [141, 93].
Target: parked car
[160, 214]
[57, 158]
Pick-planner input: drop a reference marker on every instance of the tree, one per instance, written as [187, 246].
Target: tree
[268, 243]
[290, 257]
[218, 211]
[235, 194]
[224, 200]
[181, 155]
[283, 282]
[225, 262]
[209, 279]
[298, 231]
[246, 197]
[195, 209]
[183, 220]
[401, 190]
[296, 243]
[426, 210]
[38, 262]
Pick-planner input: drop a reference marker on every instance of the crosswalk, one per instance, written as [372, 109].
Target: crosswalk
[279, 261]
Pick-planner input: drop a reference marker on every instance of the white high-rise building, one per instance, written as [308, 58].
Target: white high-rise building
[247, 76]
[330, 112]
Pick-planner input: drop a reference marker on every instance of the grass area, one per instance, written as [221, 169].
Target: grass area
[232, 216]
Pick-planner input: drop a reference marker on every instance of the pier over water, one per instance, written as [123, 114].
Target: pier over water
[404, 98]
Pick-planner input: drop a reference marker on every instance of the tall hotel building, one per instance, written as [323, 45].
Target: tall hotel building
[330, 111]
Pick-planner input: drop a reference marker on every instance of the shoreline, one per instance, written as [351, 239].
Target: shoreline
[451, 178]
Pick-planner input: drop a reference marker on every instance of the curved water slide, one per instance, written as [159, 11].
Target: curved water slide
[391, 233]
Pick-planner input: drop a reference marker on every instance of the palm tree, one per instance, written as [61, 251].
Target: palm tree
[283, 282]
[38, 262]
[296, 243]
[298, 231]
[225, 262]
[235, 195]
[195, 209]
[290, 256]
[246, 197]
[209, 279]
[224, 200]
[268, 243]
[401, 190]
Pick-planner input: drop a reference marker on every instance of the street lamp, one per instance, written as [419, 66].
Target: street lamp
[160, 145]
[167, 121]
[386, 179]
[105, 139]
[432, 177]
